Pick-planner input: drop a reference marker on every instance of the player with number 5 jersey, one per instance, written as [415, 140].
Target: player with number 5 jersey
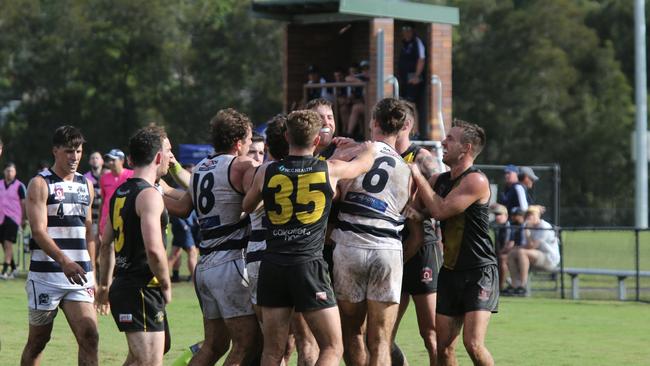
[297, 193]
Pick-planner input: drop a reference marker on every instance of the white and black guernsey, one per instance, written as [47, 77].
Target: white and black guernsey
[370, 210]
[257, 239]
[67, 208]
[224, 228]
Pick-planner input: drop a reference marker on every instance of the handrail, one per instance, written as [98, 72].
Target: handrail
[395, 82]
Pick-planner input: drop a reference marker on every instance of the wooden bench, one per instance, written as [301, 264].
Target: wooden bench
[621, 275]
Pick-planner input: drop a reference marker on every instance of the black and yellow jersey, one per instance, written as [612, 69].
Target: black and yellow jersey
[466, 237]
[297, 200]
[327, 152]
[131, 266]
[430, 236]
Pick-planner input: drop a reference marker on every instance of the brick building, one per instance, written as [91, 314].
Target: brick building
[336, 33]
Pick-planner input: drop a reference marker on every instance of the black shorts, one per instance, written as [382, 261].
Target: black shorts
[138, 309]
[304, 286]
[460, 292]
[421, 271]
[8, 230]
[328, 256]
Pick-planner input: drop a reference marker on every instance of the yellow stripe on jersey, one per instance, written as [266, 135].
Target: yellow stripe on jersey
[409, 157]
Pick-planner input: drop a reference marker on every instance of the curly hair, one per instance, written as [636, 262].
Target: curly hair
[227, 127]
[472, 134]
[391, 114]
[275, 140]
[302, 127]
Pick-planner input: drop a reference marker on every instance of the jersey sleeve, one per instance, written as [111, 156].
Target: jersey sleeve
[22, 191]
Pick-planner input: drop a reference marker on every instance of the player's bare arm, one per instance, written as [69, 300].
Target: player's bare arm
[473, 188]
[427, 164]
[239, 167]
[179, 207]
[149, 206]
[180, 175]
[106, 266]
[254, 194]
[90, 238]
[415, 239]
[37, 212]
[339, 169]
[170, 191]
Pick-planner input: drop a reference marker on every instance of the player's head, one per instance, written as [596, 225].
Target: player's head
[95, 160]
[464, 140]
[150, 146]
[324, 109]
[302, 128]
[10, 172]
[411, 119]
[67, 147]
[231, 132]
[275, 137]
[256, 150]
[388, 117]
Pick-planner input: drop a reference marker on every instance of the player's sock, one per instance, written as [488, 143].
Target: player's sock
[256, 361]
[396, 355]
[175, 277]
[5, 266]
[13, 265]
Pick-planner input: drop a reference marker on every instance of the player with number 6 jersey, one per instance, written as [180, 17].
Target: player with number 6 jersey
[368, 252]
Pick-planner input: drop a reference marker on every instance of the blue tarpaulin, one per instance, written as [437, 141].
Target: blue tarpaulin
[193, 153]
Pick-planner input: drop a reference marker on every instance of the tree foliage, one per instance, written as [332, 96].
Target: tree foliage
[112, 66]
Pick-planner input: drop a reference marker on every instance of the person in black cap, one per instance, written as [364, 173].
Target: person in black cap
[411, 65]
[510, 178]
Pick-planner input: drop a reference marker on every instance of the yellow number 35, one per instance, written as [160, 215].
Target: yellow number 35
[304, 196]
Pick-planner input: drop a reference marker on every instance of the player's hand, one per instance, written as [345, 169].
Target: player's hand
[74, 272]
[415, 170]
[413, 214]
[342, 142]
[167, 294]
[101, 300]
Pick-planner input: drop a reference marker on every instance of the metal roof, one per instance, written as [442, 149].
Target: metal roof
[322, 11]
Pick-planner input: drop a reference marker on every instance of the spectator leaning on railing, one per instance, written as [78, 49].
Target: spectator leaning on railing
[541, 250]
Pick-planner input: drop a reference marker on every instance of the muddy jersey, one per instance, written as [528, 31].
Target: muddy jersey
[370, 211]
[297, 198]
[131, 265]
[224, 227]
[465, 236]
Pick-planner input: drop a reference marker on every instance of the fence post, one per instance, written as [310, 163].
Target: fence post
[637, 264]
[561, 245]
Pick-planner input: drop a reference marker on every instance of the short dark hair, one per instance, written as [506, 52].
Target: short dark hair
[67, 136]
[390, 113]
[10, 165]
[257, 137]
[302, 127]
[315, 103]
[145, 144]
[411, 110]
[227, 127]
[472, 134]
[275, 139]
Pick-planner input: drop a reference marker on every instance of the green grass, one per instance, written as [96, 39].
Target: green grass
[524, 332]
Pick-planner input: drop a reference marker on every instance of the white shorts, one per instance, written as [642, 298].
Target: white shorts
[253, 270]
[43, 300]
[367, 274]
[543, 261]
[222, 290]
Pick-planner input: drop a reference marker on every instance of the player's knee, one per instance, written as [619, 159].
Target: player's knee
[472, 346]
[36, 344]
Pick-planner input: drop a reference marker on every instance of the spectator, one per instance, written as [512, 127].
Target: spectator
[503, 240]
[358, 109]
[314, 77]
[510, 177]
[410, 72]
[12, 217]
[343, 97]
[96, 163]
[541, 250]
[520, 195]
[109, 182]
[256, 151]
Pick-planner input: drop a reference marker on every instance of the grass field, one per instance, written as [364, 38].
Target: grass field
[526, 331]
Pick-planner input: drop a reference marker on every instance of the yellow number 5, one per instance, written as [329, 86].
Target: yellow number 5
[118, 224]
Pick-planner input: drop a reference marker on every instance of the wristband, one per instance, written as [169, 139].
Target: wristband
[174, 169]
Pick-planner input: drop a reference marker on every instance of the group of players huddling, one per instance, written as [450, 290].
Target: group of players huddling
[326, 240]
